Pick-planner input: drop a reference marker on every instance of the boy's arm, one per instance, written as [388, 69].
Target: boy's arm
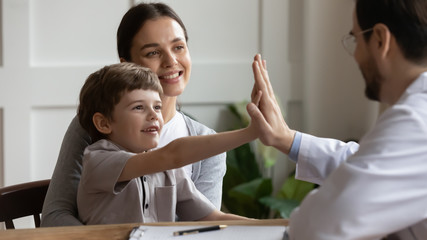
[183, 151]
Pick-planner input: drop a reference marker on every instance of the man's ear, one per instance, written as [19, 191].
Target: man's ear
[101, 123]
[122, 60]
[382, 37]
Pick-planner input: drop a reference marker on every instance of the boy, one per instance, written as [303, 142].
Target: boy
[123, 180]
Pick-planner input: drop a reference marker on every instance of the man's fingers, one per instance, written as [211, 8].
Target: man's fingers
[259, 79]
[261, 75]
[265, 77]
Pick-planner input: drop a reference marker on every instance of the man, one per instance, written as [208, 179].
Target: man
[377, 188]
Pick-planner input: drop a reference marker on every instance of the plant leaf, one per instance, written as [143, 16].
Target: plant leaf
[283, 206]
[295, 189]
[246, 198]
[268, 154]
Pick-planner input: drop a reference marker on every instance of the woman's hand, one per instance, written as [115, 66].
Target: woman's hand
[274, 130]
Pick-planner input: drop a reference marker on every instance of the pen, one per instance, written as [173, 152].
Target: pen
[199, 230]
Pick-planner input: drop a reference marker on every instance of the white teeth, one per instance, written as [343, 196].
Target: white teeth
[150, 130]
[171, 76]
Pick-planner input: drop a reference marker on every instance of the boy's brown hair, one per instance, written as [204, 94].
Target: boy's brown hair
[104, 88]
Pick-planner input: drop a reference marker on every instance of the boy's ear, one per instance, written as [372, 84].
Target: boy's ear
[101, 123]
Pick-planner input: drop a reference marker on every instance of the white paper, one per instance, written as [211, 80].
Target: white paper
[230, 232]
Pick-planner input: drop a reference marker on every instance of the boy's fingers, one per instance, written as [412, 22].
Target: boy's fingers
[256, 116]
[257, 98]
[254, 92]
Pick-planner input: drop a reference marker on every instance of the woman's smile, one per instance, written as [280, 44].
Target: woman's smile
[171, 78]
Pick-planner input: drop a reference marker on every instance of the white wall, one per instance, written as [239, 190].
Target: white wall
[50, 46]
[335, 105]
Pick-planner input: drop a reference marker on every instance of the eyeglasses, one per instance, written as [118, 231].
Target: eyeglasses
[349, 41]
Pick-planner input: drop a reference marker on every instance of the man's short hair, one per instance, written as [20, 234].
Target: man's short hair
[406, 20]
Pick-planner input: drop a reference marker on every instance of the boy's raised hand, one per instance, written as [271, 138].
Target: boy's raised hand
[252, 108]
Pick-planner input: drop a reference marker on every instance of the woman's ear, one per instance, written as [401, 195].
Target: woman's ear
[101, 123]
[382, 36]
[122, 60]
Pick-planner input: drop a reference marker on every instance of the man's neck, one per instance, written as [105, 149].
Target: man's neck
[403, 75]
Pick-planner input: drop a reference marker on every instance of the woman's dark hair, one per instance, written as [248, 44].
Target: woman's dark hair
[135, 18]
[406, 20]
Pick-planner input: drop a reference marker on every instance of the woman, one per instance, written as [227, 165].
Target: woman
[152, 35]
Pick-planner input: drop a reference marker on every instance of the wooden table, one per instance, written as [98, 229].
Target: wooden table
[114, 231]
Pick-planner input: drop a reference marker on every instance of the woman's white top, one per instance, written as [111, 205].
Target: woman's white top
[175, 128]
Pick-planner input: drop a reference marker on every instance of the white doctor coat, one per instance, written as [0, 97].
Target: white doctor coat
[373, 189]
